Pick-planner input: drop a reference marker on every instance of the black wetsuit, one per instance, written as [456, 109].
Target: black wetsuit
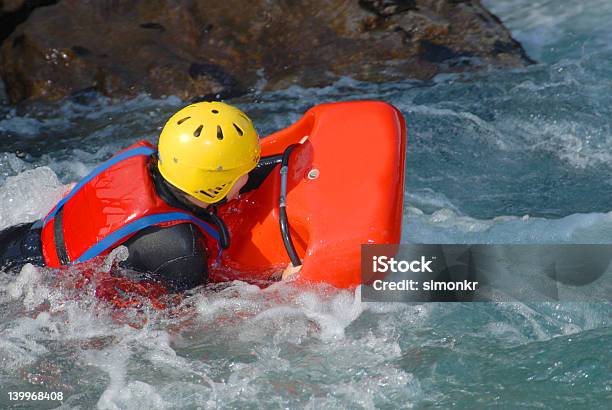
[19, 245]
[175, 254]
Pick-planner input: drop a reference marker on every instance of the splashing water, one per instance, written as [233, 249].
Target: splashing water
[514, 156]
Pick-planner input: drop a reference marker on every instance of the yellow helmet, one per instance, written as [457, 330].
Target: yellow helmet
[205, 147]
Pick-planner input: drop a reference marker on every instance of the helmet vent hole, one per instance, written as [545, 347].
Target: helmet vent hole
[240, 132]
[215, 111]
[219, 133]
[207, 194]
[198, 131]
[182, 120]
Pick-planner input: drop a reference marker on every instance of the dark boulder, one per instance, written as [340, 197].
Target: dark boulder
[194, 49]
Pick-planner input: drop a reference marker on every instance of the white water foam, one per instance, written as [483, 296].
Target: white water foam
[550, 30]
[28, 196]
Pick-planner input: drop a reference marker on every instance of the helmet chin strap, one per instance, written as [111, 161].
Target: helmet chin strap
[224, 235]
[179, 196]
[221, 202]
[211, 211]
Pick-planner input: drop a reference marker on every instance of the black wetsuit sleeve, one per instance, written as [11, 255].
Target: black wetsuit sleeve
[19, 245]
[177, 255]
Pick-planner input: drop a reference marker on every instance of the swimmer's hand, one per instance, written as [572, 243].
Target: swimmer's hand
[290, 271]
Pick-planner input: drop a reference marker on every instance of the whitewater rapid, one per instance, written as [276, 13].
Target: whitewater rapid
[514, 156]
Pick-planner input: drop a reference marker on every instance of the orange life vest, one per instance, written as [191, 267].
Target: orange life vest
[115, 201]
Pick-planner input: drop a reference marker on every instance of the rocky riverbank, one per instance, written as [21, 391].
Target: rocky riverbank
[193, 49]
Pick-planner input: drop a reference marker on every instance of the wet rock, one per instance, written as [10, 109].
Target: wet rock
[3, 96]
[200, 49]
[15, 12]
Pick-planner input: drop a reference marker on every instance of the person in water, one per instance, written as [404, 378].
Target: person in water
[158, 202]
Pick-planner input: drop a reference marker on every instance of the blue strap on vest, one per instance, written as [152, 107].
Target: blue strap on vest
[97, 171]
[134, 226]
[140, 224]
